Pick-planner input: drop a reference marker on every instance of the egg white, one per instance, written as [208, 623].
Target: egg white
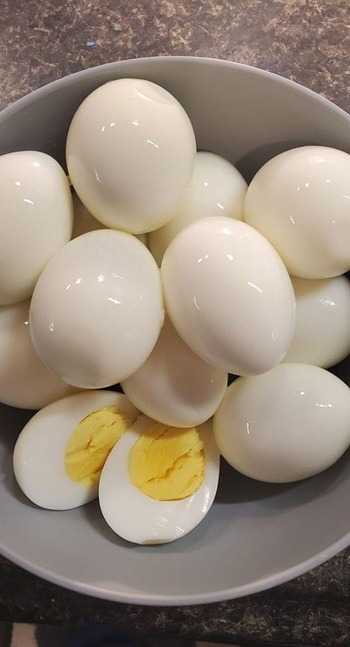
[38, 459]
[141, 519]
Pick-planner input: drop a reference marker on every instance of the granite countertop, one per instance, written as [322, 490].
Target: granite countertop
[305, 40]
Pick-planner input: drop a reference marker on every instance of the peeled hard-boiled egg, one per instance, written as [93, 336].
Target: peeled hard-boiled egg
[322, 330]
[159, 482]
[299, 200]
[97, 310]
[285, 425]
[229, 296]
[174, 385]
[60, 452]
[36, 220]
[216, 189]
[24, 381]
[85, 222]
[130, 153]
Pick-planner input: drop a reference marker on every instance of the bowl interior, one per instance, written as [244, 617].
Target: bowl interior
[256, 535]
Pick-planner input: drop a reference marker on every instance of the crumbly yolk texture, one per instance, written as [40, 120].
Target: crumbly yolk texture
[167, 463]
[91, 442]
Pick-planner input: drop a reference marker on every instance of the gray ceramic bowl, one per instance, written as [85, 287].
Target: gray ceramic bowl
[256, 535]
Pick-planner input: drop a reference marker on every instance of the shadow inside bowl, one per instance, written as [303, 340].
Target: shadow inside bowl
[255, 159]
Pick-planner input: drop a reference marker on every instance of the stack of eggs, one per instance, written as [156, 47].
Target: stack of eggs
[177, 274]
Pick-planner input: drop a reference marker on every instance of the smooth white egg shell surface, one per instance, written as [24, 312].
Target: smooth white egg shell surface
[216, 189]
[85, 222]
[36, 220]
[229, 296]
[139, 518]
[39, 453]
[299, 200]
[322, 331]
[97, 309]
[24, 381]
[130, 154]
[285, 425]
[175, 386]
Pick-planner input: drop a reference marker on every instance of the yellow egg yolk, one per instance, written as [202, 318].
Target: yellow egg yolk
[91, 442]
[167, 463]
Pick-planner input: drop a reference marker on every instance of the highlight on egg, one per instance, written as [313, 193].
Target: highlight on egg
[130, 153]
[61, 451]
[299, 200]
[175, 386]
[24, 381]
[229, 296]
[159, 482]
[322, 331]
[286, 425]
[97, 309]
[36, 220]
[216, 189]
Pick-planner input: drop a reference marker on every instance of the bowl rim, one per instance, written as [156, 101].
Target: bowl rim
[144, 598]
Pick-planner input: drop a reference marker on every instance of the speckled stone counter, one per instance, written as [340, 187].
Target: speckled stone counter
[305, 40]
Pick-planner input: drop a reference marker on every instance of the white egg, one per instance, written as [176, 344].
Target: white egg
[216, 189]
[174, 385]
[322, 331]
[229, 296]
[24, 381]
[39, 455]
[299, 200]
[285, 425]
[36, 220]
[141, 519]
[85, 222]
[97, 310]
[130, 153]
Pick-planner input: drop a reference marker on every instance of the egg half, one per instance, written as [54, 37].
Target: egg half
[159, 482]
[60, 452]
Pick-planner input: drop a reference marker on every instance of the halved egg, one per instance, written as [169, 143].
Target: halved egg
[159, 482]
[60, 452]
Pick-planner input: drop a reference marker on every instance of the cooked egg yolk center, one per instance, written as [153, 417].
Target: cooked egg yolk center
[167, 463]
[91, 442]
